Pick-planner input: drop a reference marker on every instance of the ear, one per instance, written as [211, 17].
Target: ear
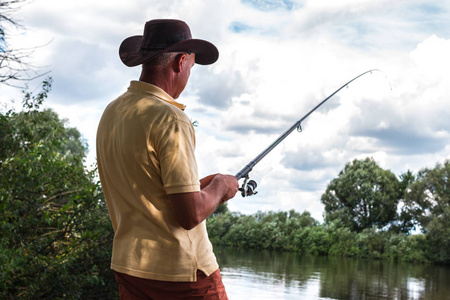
[179, 62]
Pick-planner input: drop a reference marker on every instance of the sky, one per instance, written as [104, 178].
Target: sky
[278, 59]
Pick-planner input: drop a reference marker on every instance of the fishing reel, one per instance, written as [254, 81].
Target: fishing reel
[248, 188]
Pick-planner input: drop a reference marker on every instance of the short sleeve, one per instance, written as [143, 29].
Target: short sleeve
[175, 148]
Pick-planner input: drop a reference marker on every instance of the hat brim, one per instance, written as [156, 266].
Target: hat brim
[132, 55]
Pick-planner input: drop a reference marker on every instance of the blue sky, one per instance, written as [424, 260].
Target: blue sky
[278, 59]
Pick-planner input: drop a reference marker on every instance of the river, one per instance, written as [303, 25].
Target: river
[255, 274]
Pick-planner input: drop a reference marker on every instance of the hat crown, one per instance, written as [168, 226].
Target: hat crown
[165, 35]
[160, 34]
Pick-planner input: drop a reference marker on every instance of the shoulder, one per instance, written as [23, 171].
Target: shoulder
[154, 110]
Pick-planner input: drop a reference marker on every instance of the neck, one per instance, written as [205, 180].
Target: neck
[161, 79]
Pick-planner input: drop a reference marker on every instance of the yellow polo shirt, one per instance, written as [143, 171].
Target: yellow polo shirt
[145, 151]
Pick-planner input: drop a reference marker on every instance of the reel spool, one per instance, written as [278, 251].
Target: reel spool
[248, 188]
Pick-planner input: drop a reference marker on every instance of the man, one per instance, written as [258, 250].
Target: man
[148, 171]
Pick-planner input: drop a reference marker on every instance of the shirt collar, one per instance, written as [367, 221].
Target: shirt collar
[148, 88]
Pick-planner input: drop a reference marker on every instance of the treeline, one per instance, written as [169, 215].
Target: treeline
[369, 213]
[292, 231]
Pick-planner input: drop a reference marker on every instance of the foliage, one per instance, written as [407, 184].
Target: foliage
[292, 231]
[361, 187]
[363, 196]
[361, 218]
[427, 202]
[221, 208]
[405, 221]
[56, 235]
[263, 230]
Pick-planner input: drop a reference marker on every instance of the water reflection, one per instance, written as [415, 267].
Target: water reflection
[251, 274]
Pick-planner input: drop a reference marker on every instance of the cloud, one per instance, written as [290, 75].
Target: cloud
[310, 159]
[270, 5]
[255, 126]
[218, 90]
[400, 141]
[414, 120]
[94, 74]
[278, 59]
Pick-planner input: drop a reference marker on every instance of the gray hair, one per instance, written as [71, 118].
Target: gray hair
[162, 60]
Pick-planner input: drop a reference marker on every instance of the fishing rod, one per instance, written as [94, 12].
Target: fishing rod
[249, 186]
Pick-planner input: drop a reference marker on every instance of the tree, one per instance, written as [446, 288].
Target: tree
[429, 195]
[13, 61]
[56, 236]
[427, 201]
[363, 196]
[404, 223]
[221, 209]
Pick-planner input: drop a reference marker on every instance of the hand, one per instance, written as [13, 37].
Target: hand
[231, 185]
[204, 182]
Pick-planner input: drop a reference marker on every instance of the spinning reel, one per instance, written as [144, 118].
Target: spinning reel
[248, 187]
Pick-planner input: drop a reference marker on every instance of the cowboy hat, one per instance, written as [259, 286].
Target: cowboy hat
[162, 36]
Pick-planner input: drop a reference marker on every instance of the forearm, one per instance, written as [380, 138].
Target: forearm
[190, 209]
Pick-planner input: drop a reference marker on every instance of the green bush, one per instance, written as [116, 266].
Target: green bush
[292, 231]
[56, 236]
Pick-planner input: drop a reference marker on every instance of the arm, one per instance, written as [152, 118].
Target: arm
[190, 209]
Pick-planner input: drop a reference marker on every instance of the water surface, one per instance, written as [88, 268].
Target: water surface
[254, 274]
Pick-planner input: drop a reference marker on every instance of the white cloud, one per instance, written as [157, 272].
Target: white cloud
[278, 59]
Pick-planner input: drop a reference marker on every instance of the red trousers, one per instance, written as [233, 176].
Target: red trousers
[206, 287]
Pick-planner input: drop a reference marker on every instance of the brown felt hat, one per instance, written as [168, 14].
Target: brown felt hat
[162, 36]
